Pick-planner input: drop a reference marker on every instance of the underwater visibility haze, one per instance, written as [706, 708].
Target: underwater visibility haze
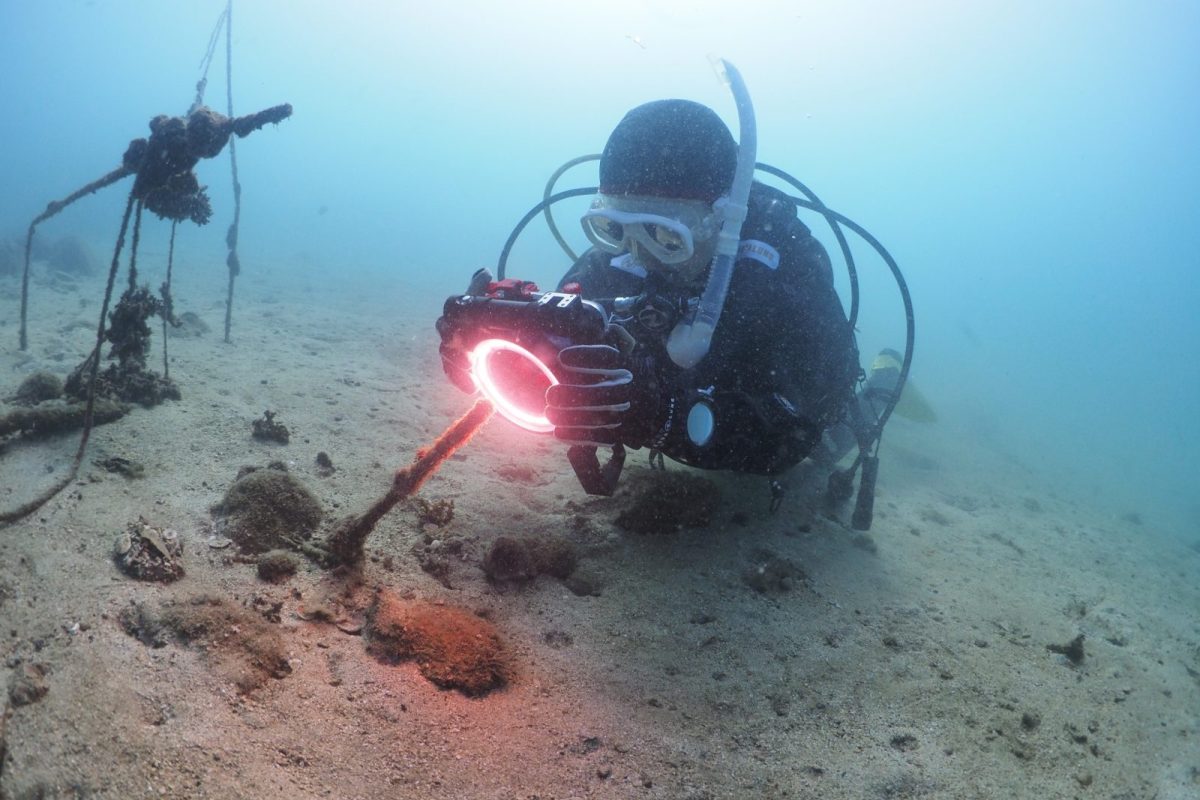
[1028, 165]
[1031, 166]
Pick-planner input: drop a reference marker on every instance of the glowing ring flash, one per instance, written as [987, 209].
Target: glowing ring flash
[486, 383]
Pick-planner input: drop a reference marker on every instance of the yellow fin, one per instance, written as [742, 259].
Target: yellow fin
[914, 405]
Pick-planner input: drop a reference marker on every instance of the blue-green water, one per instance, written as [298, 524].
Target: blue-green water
[1031, 166]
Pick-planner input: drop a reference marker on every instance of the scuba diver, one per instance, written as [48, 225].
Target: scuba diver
[683, 237]
[783, 363]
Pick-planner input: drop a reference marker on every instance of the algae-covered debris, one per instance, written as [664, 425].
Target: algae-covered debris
[436, 512]
[149, 553]
[1072, 650]
[129, 379]
[57, 417]
[238, 643]
[28, 685]
[277, 566]
[509, 560]
[670, 501]
[189, 325]
[268, 509]
[36, 388]
[769, 573]
[451, 647]
[513, 559]
[122, 466]
[267, 429]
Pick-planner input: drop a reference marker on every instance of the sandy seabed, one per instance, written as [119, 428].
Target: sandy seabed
[912, 662]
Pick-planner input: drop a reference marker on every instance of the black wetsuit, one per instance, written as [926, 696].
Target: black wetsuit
[783, 362]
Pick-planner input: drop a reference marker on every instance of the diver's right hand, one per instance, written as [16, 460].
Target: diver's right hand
[605, 397]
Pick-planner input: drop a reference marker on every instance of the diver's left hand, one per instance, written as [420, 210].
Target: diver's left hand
[600, 399]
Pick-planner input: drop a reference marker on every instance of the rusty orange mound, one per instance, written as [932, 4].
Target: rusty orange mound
[453, 648]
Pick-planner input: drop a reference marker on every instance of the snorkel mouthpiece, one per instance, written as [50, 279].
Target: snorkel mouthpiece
[690, 340]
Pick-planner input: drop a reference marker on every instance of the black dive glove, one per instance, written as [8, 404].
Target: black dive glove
[603, 397]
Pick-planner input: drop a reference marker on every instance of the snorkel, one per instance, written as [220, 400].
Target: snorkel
[691, 338]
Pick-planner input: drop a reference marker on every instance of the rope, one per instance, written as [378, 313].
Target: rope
[346, 543]
[52, 209]
[231, 238]
[206, 62]
[168, 310]
[133, 249]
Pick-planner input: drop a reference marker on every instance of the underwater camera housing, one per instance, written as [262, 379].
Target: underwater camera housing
[511, 334]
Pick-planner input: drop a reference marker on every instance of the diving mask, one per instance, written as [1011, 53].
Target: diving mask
[667, 230]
